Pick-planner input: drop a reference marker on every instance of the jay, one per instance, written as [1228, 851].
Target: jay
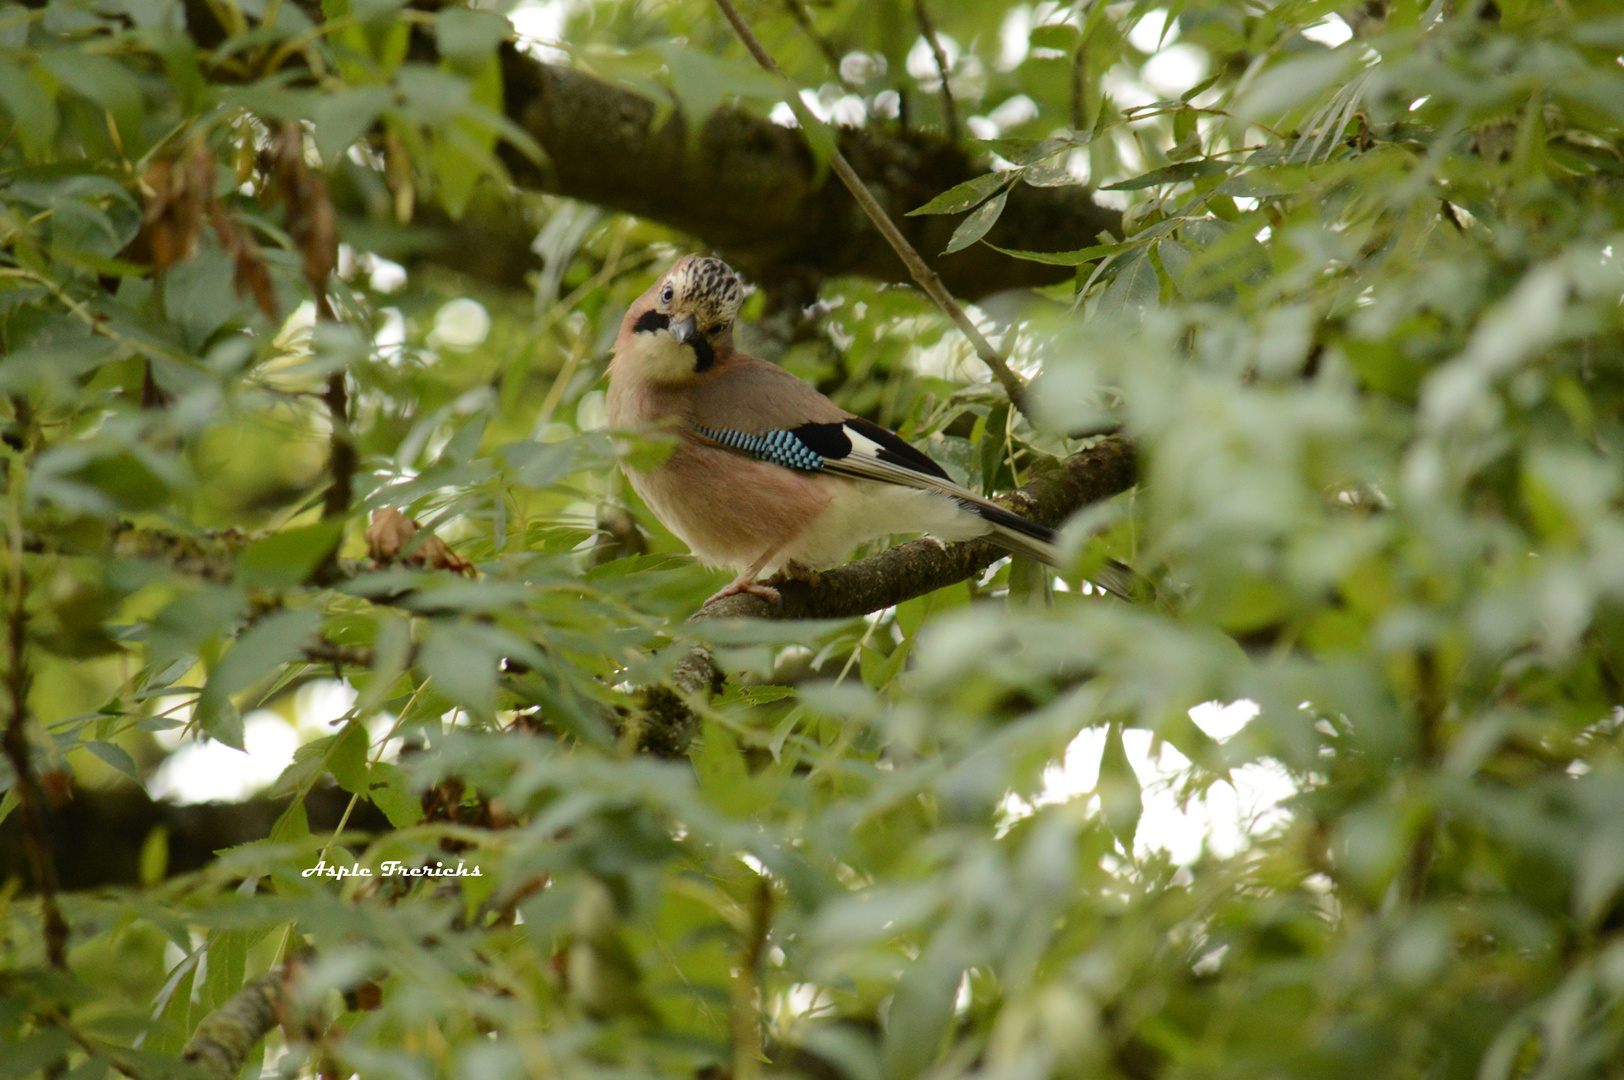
[768, 474]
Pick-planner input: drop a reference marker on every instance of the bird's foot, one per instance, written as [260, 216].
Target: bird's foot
[796, 572]
[754, 588]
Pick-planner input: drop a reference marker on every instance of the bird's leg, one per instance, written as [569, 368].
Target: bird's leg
[747, 583]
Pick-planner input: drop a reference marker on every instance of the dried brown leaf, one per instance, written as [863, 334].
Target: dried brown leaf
[251, 277]
[391, 532]
[177, 196]
[311, 220]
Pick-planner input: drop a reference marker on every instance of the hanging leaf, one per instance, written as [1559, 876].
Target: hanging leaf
[1121, 800]
[1134, 289]
[963, 196]
[1173, 174]
[975, 226]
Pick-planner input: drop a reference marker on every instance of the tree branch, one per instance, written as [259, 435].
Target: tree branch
[745, 187]
[750, 189]
[221, 1042]
[107, 828]
[831, 55]
[893, 576]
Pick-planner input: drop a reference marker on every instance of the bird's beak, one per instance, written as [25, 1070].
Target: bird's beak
[683, 329]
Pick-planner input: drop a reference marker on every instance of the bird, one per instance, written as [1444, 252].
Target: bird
[768, 475]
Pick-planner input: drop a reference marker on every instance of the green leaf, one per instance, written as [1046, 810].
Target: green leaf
[347, 758]
[1024, 152]
[1068, 258]
[155, 856]
[343, 117]
[702, 80]
[174, 1006]
[1121, 800]
[462, 661]
[392, 793]
[294, 824]
[923, 1005]
[273, 641]
[1134, 289]
[1062, 36]
[116, 756]
[100, 79]
[199, 295]
[391, 655]
[975, 226]
[1293, 84]
[1176, 259]
[286, 559]
[30, 104]
[227, 963]
[469, 37]
[1173, 174]
[963, 196]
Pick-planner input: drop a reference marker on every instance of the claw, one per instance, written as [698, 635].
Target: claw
[796, 572]
[754, 588]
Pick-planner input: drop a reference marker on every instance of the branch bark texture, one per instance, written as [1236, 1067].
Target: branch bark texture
[220, 1044]
[750, 189]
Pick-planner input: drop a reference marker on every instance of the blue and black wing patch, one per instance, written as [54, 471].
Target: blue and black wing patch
[785, 448]
[813, 447]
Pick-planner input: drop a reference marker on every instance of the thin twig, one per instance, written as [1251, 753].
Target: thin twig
[950, 112]
[30, 796]
[928, 280]
[803, 19]
[341, 454]
[1079, 102]
[1431, 702]
[747, 1054]
[342, 458]
[36, 836]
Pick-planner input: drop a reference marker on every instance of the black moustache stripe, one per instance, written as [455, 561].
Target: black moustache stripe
[650, 321]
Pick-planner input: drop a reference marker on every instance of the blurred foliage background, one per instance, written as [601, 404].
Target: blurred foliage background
[1343, 273]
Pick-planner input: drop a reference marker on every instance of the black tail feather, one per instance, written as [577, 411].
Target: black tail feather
[1039, 542]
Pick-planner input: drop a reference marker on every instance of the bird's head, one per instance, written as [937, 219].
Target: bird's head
[684, 324]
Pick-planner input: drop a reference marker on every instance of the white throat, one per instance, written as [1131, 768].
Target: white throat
[660, 359]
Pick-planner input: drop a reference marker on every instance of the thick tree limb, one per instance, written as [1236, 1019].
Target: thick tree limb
[105, 828]
[747, 187]
[750, 189]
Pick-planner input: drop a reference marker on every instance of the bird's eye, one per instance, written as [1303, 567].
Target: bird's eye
[666, 294]
[716, 331]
